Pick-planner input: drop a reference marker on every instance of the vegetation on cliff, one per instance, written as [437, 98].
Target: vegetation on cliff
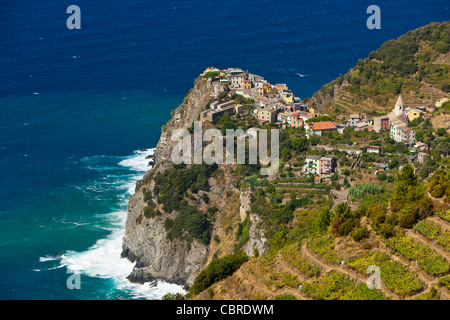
[409, 65]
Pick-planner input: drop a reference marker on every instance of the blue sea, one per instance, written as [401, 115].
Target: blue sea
[81, 109]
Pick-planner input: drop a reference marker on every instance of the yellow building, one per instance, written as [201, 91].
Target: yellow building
[287, 96]
[414, 114]
[311, 110]
[267, 88]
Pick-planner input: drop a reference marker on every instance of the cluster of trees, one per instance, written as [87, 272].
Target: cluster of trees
[409, 201]
[440, 185]
[275, 214]
[319, 119]
[408, 204]
[217, 270]
[171, 188]
[341, 221]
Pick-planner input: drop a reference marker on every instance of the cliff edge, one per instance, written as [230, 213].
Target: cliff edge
[145, 240]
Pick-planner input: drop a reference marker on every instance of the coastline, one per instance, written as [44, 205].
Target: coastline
[103, 259]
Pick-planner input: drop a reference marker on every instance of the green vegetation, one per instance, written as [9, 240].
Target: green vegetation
[319, 119]
[171, 187]
[242, 233]
[285, 296]
[275, 214]
[336, 286]
[398, 66]
[440, 185]
[360, 233]
[324, 247]
[434, 232]
[174, 296]
[394, 275]
[430, 295]
[217, 270]
[444, 282]
[292, 255]
[445, 215]
[430, 261]
[211, 74]
[360, 190]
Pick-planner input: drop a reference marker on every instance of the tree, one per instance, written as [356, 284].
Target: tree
[314, 140]
[441, 132]
[300, 144]
[407, 176]
[393, 163]
[343, 211]
[324, 218]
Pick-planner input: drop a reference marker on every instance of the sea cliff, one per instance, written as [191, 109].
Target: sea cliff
[180, 259]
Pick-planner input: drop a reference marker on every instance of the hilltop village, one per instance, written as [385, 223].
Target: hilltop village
[244, 96]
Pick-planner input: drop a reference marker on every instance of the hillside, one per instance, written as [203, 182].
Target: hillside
[407, 237]
[416, 65]
[226, 231]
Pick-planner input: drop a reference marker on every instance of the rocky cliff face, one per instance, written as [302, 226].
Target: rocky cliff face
[145, 239]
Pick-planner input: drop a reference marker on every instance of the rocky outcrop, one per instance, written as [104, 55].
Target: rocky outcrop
[145, 241]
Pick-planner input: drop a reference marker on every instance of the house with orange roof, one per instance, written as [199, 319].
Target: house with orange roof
[318, 128]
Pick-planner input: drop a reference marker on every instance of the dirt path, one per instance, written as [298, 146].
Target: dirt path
[444, 224]
[440, 201]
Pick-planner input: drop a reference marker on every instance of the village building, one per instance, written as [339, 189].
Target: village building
[322, 166]
[381, 123]
[319, 128]
[373, 149]
[414, 114]
[362, 125]
[233, 71]
[218, 110]
[401, 133]
[287, 96]
[422, 157]
[420, 146]
[354, 120]
[296, 121]
[264, 115]
[247, 84]
[259, 87]
[237, 80]
[281, 87]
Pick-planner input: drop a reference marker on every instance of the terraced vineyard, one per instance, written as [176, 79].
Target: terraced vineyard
[428, 259]
[292, 255]
[434, 232]
[336, 286]
[324, 247]
[394, 275]
[444, 215]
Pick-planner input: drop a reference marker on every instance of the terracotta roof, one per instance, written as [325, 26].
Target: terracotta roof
[374, 147]
[323, 125]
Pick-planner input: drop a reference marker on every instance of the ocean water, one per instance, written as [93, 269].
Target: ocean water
[78, 107]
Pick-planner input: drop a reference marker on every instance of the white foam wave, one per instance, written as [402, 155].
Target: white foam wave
[138, 162]
[102, 260]
[47, 258]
